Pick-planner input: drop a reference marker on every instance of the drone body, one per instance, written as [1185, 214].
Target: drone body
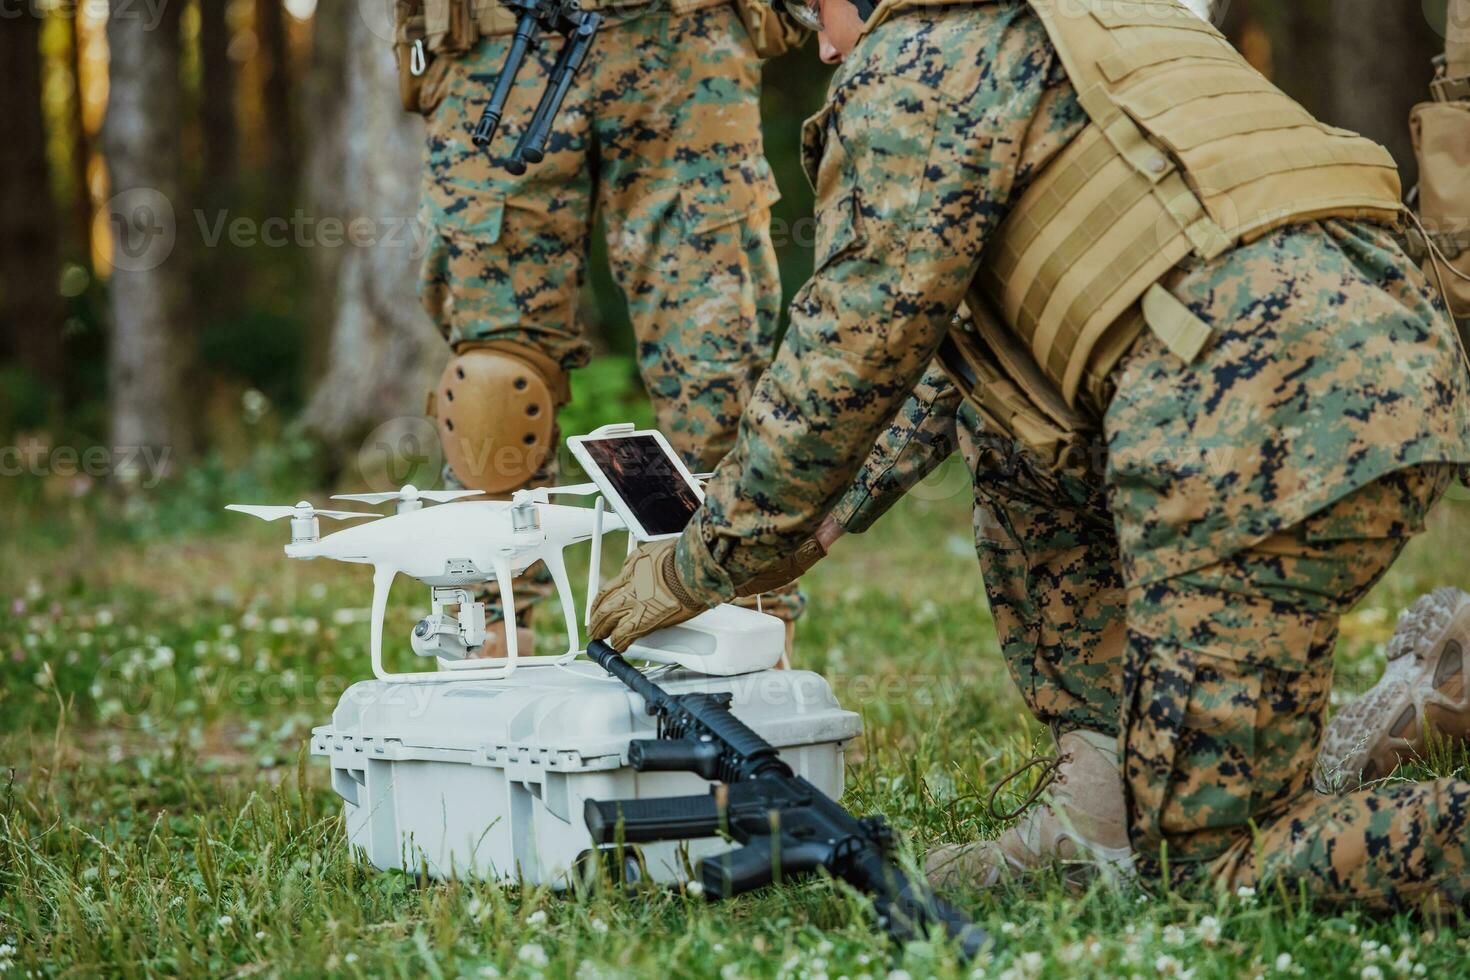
[453, 548]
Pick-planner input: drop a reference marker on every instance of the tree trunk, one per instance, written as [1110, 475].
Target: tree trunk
[30, 305]
[1379, 68]
[149, 353]
[81, 151]
[382, 351]
[275, 69]
[217, 101]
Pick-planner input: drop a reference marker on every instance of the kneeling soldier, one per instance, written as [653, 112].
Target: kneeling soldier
[1218, 398]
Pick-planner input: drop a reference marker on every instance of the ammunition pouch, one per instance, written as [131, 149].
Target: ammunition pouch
[495, 408]
[1441, 131]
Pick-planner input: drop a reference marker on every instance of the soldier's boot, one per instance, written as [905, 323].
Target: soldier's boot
[1081, 821]
[1424, 689]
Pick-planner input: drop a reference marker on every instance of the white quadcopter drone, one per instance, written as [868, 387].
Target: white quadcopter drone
[462, 543]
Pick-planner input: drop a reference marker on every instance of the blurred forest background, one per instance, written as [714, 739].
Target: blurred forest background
[180, 181]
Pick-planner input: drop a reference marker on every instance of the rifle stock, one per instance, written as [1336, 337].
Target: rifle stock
[788, 827]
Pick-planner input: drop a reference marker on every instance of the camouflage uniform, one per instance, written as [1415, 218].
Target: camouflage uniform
[662, 131]
[1183, 588]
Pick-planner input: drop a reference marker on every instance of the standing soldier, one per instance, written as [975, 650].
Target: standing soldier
[1212, 384]
[662, 131]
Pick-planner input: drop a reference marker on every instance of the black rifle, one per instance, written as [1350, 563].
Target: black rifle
[788, 827]
[579, 27]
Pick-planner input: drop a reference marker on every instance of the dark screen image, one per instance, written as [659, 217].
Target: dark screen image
[644, 476]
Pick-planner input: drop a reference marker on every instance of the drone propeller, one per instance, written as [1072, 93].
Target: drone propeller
[542, 495]
[303, 510]
[410, 494]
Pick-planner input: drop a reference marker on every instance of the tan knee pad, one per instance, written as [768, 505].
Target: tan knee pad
[496, 410]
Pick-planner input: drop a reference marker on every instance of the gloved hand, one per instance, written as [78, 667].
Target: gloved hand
[807, 554]
[646, 596]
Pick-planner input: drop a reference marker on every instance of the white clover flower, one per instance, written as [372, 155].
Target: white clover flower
[104, 617]
[224, 921]
[898, 975]
[260, 934]
[175, 902]
[1169, 966]
[1174, 936]
[1245, 893]
[533, 954]
[1008, 929]
[1371, 972]
[1031, 962]
[1208, 930]
[6, 951]
[536, 918]
[695, 888]
[1283, 963]
[489, 971]
[476, 908]
[350, 959]
[600, 927]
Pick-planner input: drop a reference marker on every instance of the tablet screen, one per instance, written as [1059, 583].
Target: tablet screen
[648, 481]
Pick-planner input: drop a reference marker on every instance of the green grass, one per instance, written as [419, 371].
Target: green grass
[157, 814]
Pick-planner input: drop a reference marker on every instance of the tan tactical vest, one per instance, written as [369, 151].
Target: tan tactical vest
[1190, 152]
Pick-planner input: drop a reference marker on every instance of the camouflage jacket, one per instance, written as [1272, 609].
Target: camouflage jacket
[936, 123]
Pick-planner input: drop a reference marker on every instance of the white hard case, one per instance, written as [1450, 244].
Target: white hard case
[487, 779]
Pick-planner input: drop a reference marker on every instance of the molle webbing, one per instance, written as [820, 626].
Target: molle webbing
[1191, 151]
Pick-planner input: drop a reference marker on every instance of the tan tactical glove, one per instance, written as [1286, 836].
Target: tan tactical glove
[808, 553]
[646, 596]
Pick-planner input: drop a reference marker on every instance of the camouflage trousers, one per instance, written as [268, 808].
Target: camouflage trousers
[661, 135]
[1191, 604]
[1217, 682]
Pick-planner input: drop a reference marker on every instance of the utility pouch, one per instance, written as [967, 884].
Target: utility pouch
[421, 69]
[452, 26]
[771, 32]
[1442, 143]
[1001, 380]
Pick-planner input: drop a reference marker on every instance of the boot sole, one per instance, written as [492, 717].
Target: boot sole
[1422, 694]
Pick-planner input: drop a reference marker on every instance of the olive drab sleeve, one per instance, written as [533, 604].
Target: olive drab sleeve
[915, 159]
